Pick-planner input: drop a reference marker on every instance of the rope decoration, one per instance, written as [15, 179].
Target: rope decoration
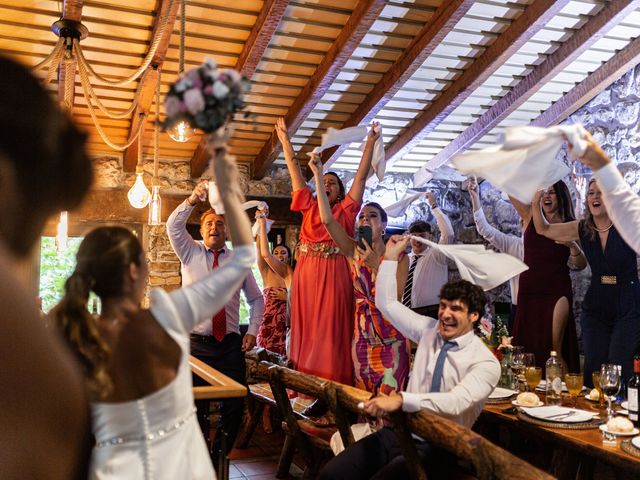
[156, 130]
[183, 21]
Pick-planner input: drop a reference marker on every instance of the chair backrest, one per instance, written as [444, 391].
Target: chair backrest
[488, 460]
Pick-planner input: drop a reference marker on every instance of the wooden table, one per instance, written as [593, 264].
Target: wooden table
[220, 386]
[579, 448]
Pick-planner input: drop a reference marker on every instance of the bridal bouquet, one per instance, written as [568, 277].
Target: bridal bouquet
[206, 97]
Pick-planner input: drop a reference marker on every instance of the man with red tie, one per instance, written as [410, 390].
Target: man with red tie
[216, 341]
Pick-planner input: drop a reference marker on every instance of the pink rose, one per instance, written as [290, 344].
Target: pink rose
[486, 325]
[208, 90]
[171, 106]
[194, 100]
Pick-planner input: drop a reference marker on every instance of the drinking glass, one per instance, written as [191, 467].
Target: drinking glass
[533, 376]
[574, 383]
[610, 383]
[517, 365]
[529, 359]
[595, 377]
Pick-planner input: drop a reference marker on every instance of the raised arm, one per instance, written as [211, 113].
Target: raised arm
[266, 257]
[356, 192]
[523, 209]
[297, 179]
[444, 224]
[560, 232]
[181, 241]
[345, 242]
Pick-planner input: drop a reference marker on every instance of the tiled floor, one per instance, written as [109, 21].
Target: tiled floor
[260, 460]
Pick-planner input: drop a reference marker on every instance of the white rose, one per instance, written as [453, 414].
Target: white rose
[220, 90]
[211, 63]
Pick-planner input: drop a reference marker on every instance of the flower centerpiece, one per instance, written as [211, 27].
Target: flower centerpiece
[495, 336]
[205, 97]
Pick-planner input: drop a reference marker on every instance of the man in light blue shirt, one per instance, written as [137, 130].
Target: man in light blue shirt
[224, 348]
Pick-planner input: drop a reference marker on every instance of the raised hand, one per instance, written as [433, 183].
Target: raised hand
[595, 158]
[199, 193]
[431, 198]
[281, 131]
[374, 132]
[396, 245]
[315, 164]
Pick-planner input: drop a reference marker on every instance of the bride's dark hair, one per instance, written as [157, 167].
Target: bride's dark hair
[103, 258]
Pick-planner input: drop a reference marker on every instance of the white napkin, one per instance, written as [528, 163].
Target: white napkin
[480, 266]
[378, 161]
[526, 160]
[215, 200]
[255, 229]
[399, 208]
[333, 137]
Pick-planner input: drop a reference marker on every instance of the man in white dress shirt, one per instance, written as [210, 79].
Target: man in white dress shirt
[428, 269]
[452, 376]
[216, 341]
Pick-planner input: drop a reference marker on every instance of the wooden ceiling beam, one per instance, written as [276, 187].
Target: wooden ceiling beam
[530, 21]
[252, 52]
[422, 46]
[358, 24]
[148, 89]
[593, 30]
[605, 75]
[71, 10]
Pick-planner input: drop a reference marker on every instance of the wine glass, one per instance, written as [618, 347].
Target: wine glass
[595, 377]
[518, 365]
[574, 383]
[533, 376]
[610, 383]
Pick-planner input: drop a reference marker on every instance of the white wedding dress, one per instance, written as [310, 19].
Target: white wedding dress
[158, 436]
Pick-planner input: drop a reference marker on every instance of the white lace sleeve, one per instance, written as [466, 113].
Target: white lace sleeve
[208, 295]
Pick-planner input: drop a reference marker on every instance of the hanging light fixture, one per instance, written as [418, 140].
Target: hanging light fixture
[155, 205]
[181, 131]
[139, 194]
[62, 236]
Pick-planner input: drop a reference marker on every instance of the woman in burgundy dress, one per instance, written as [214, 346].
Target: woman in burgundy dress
[544, 319]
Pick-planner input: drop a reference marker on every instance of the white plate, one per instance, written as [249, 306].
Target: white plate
[635, 431]
[625, 405]
[543, 413]
[500, 392]
[636, 442]
[515, 402]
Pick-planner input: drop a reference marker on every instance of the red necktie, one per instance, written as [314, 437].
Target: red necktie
[219, 320]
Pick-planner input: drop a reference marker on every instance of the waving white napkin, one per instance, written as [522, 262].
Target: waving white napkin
[333, 137]
[378, 160]
[399, 208]
[526, 160]
[255, 229]
[480, 266]
[215, 200]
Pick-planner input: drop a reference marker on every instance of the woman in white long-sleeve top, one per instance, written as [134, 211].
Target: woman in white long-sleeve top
[136, 360]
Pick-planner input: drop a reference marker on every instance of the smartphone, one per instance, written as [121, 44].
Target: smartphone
[364, 233]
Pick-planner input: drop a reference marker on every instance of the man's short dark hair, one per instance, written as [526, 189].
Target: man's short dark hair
[420, 226]
[468, 293]
[211, 211]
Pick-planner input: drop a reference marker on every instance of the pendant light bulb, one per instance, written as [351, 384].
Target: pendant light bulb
[181, 131]
[139, 194]
[155, 206]
[62, 236]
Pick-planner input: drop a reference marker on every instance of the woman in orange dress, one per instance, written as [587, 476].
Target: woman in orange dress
[322, 302]
[379, 351]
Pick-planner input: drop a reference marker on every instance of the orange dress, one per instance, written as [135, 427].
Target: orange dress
[322, 305]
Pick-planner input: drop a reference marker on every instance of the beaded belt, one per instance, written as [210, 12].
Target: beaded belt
[323, 250]
[608, 280]
[150, 436]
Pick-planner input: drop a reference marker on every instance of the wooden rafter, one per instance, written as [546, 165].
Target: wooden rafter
[444, 19]
[595, 28]
[357, 26]
[255, 46]
[530, 21]
[71, 10]
[605, 75]
[147, 91]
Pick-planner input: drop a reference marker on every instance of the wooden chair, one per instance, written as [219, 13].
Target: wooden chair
[485, 460]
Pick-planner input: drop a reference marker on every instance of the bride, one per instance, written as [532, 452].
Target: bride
[136, 360]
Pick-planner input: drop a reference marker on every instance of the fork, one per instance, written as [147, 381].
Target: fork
[562, 415]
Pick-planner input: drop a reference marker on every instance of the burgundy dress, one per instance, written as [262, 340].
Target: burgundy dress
[546, 281]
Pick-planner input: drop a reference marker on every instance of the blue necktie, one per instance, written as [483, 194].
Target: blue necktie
[436, 380]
